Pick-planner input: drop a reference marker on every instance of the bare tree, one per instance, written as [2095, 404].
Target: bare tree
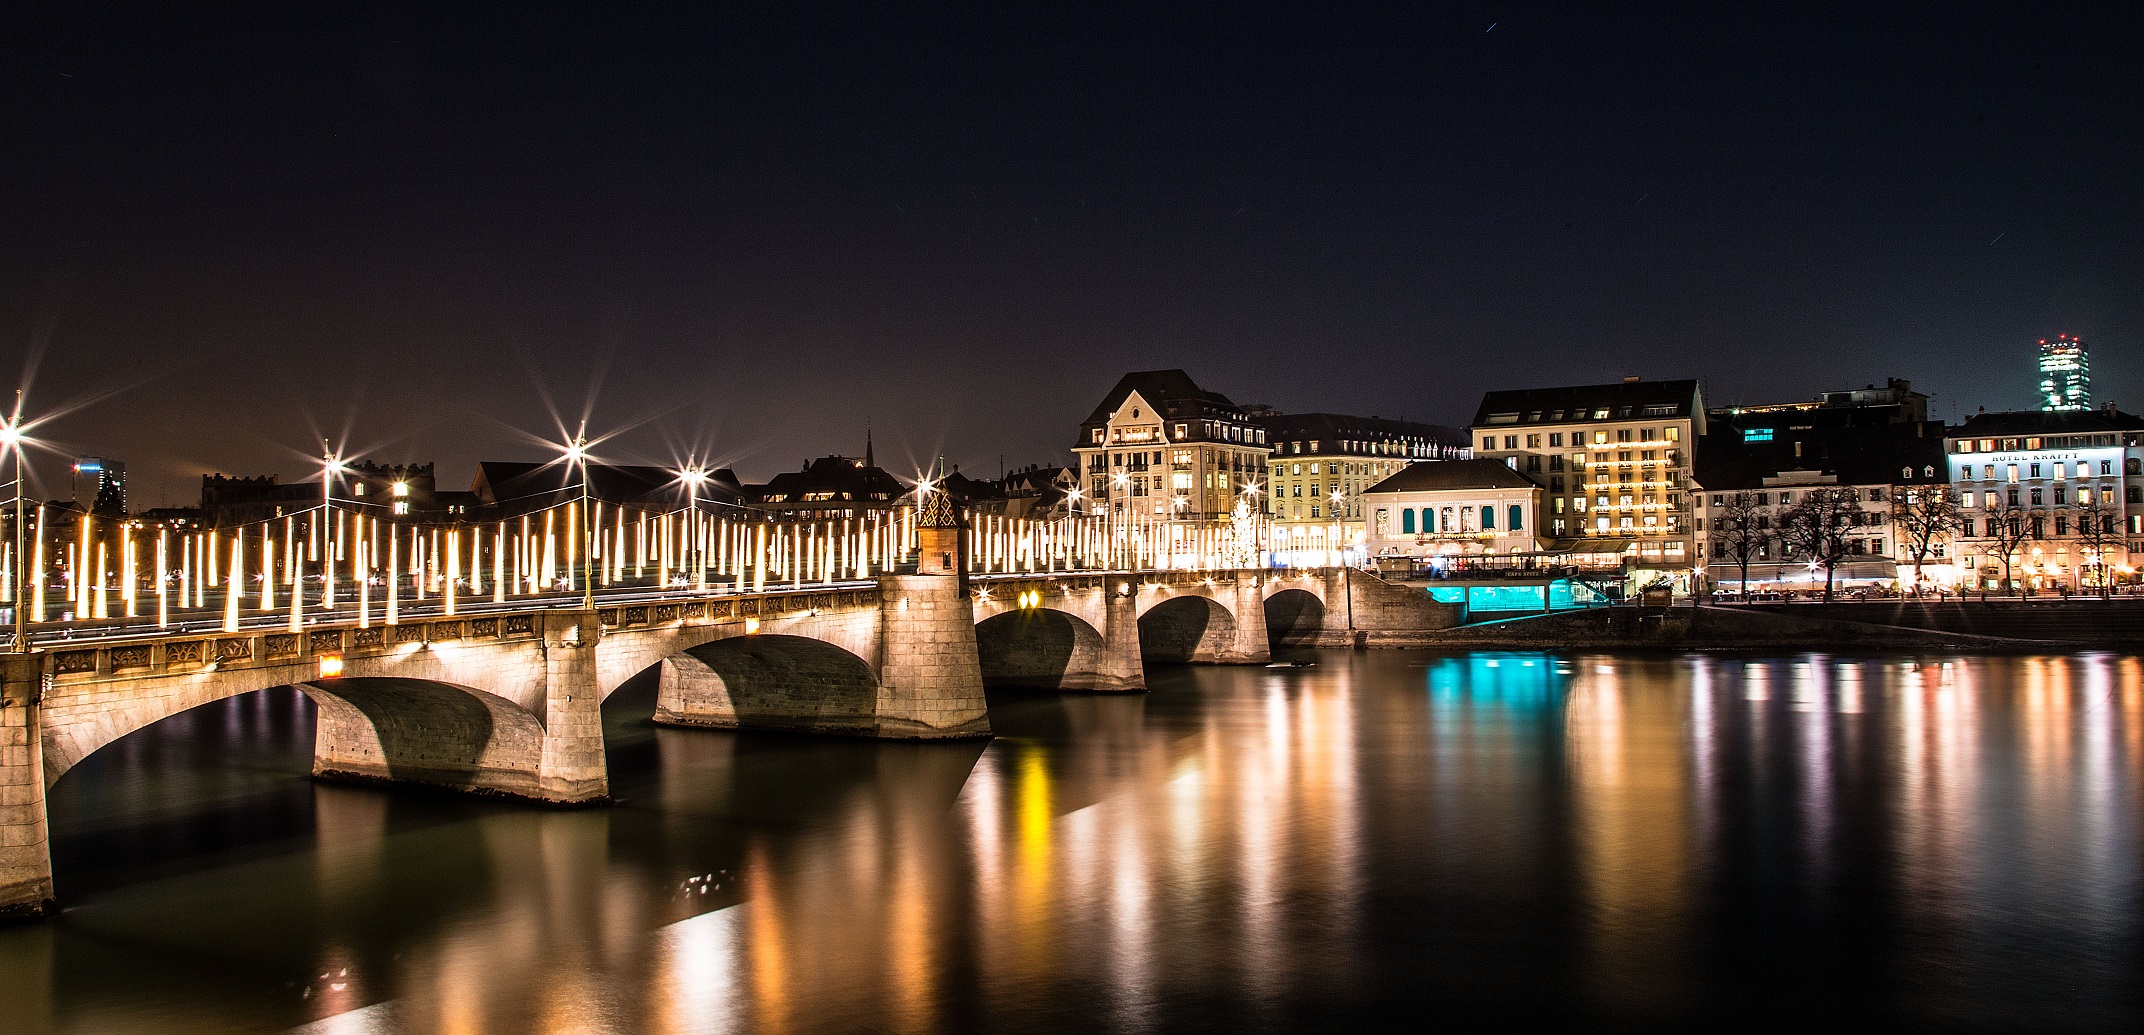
[1738, 535]
[1818, 526]
[2098, 520]
[2009, 528]
[1925, 516]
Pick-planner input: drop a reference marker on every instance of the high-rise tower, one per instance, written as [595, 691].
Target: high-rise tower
[2065, 374]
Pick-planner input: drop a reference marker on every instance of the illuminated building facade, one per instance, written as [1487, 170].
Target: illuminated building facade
[1162, 449]
[2065, 375]
[1875, 441]
[2062, 492]
[1615, 460]
[1465, 508]
[1322, 462]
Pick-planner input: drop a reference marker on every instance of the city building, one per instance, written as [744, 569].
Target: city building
[2050, 499]
[1895, 403]
[1161, 449]
[228, 501]
[100, 486]
[509, 489]
[1615, 460]
[829, 488]
[1322, 462]
[1755, 465]
[2065, 375]
[1039, 491]
[1454, 509]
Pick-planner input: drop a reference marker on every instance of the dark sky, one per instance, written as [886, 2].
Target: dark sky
[754, 228]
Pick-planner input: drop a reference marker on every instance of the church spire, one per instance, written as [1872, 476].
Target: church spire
[869, 460]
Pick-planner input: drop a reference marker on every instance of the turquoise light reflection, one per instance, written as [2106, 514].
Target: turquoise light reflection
[1514, 680]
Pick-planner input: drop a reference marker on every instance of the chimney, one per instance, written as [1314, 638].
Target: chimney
[1630, 379]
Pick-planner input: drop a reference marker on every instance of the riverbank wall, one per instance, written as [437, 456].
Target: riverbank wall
[1702, 628]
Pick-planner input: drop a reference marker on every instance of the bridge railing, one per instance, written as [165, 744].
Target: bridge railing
[327, 564]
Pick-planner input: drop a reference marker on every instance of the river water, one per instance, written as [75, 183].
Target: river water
[1383, 840]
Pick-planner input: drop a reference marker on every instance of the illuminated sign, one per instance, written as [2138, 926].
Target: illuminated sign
[1757, 435]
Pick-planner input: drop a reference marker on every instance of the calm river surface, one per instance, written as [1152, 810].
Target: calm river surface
[1383, 840]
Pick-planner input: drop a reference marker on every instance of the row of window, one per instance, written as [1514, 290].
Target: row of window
[2085, 496]
[2081, 469]
[1990, 445]
[1584, 413]
[1578, 438]
[1454, 519]
[2035, 526]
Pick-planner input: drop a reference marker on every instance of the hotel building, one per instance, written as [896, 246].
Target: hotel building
[2062, 490]
[1615, 461]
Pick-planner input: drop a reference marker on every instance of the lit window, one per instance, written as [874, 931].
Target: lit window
[401, 489]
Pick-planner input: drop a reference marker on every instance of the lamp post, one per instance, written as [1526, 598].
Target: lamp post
[1109, 523]
[1072, 497]
[692, 477]
[11, 440]
[330, 465]
[1339, 498]
[577, 456]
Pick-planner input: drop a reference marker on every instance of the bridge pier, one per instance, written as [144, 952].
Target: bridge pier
[1121, 667]
[541, 740]
[930, 676]
[25, 855]
[1248, 604]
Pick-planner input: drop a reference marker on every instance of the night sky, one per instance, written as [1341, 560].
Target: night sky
[753, 229]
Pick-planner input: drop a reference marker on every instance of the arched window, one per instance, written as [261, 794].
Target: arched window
[1448, 525]
[1905, 472]
[1488, 518]
[1517, 515]
[1407, 521]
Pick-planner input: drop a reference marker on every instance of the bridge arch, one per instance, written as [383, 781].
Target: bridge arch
[1185, 628]
[1294, 616]
[380, 727]
[768, 681]
[425, 731]
[1039, 648]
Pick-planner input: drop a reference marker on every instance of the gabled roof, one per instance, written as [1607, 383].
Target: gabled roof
[1173, 395]
[846, 478]
[1624, 400]
[1172, 390]
[1453, 474]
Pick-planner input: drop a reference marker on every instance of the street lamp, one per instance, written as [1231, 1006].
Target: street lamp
[692, 477]
[330, 465]
[11, 441]
[577, 456]
[1072, 498]
[1339, 527]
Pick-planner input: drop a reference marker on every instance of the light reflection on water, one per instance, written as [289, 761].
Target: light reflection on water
[1384, 839]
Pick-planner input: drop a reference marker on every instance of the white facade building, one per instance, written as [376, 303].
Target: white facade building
[2065, 490]
[1454, 508]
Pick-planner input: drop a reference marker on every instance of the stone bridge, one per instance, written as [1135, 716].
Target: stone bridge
[509, 703]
